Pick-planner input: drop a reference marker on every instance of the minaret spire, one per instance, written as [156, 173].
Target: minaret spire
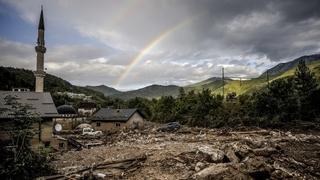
[41, 21]
[40, 49]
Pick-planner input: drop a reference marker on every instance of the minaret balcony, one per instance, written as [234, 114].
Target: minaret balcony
[39, 73]
[41, 49]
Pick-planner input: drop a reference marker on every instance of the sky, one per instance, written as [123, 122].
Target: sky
[131, 44]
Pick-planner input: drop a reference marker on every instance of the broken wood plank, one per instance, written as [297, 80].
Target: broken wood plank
[121, 164]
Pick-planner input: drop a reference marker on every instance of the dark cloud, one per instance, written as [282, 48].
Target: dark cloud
[250, 35]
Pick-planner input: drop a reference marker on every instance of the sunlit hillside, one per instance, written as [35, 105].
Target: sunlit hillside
[247, 86]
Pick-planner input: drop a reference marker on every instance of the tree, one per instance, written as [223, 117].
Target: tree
[278, 102]
[164, 109]
[142, 104]
[205, 109]
[18, 161]
[305, 85]
[305, 81]
[182, 93]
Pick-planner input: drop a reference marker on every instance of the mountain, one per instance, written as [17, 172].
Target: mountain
[107, 91]
[215, 83]
[23, 78]
[153, 91]
[13, 77]
[211, 83]
[281, 70]
[283, 67]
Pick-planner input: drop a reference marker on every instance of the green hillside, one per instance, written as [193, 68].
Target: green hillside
[211, 83]
[153, 91]
[248, 86]
[22, 78]
[107, 91]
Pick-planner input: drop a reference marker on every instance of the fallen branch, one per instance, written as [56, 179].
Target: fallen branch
[120, 164]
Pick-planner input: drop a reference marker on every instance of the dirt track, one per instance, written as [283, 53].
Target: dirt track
[192, 153]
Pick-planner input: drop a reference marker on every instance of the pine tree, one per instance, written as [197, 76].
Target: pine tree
[305, 84]
[305, 81]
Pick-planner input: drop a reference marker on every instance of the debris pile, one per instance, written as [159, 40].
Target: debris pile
[194, 153]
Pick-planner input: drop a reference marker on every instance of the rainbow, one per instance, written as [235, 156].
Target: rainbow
[152, 44]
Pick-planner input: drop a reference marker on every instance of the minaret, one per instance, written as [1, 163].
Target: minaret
[40, 49]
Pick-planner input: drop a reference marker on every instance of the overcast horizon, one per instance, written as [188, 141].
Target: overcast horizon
[132, 44]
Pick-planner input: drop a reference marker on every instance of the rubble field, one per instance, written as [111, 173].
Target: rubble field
[195, 153]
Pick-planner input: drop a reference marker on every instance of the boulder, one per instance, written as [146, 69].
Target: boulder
[199, 166]
[211, 172]
[217, 156]
[220, 171]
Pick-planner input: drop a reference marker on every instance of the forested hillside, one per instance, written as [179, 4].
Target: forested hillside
[284, 102]
[107, 91]
[153, 91]
[22, 78]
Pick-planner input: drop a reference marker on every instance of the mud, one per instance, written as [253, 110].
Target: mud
[194, 153]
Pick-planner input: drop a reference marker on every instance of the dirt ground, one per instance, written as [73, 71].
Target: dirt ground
[194, 153]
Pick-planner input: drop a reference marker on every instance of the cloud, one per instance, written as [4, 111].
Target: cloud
[248, 36]
[16, 54]
[78, 64]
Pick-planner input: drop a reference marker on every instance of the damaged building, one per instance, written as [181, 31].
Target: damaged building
[40, 105]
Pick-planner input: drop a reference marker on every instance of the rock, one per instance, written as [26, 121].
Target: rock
[180, 165]
[217, 156]
[211, 172]
[256, 168]
[220, 171]
[265, 151]
[241, 151]
[199, 166]
[279, 174]
[99, 175]
[232, 156]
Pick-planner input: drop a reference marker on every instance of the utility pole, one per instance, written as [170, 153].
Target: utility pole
[223, 82]
[268, 78]
[240, 81]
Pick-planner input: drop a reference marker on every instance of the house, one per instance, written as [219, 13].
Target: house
[67, 120]
[39, 105]
[112, 120]
[87, 108]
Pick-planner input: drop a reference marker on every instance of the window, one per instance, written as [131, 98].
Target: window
[118, 124]
[98, 124]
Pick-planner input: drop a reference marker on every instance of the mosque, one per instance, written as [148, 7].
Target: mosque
[56, 120]
[41, 102]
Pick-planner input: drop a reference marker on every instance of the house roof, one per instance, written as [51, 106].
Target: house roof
[106, 114]
[41, 103]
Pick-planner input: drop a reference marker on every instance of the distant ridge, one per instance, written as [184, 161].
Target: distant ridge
[283, 67]
[107, 91]
[153, 91]
[281, 70]
[15, 77]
